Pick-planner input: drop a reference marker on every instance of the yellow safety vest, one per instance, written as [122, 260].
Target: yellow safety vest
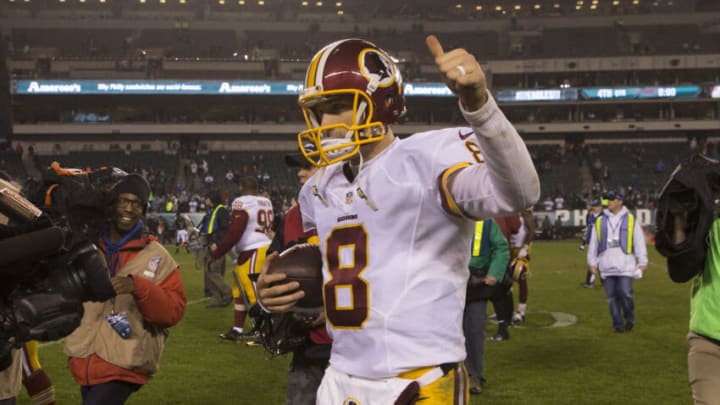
[211, 226]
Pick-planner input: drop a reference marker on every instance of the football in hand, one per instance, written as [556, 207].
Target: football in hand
[302, 263]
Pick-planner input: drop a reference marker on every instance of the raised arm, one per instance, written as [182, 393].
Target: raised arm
[510, 182]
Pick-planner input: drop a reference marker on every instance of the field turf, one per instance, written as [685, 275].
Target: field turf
[579, 360]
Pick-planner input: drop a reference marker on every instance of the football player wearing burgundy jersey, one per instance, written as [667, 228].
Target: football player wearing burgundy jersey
[521, 244]
[250, 222]
[395, 220]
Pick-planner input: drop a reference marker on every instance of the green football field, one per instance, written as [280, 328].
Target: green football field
[565, 353]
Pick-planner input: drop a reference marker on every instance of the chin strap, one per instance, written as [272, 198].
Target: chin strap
[315, 190]
[359, 189]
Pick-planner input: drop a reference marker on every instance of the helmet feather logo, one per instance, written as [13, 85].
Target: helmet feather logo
[377, 69]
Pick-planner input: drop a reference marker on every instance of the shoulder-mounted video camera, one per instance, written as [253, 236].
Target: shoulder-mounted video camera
[49, 264]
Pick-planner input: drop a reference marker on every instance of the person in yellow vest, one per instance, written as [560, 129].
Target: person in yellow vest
[118, 345]
[488, 263]
[213, 227]
[618, 252]
[251, 221]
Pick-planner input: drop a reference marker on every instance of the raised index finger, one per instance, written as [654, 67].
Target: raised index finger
[434, 46]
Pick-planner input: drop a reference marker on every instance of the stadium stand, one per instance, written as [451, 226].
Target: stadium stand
[568, 45]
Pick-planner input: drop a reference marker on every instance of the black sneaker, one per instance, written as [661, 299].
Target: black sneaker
[499, 337]
[629, 326]
[232, 335]
[619, 330]
[586, 285]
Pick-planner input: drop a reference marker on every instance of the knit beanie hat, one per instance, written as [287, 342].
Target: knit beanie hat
[133, 184]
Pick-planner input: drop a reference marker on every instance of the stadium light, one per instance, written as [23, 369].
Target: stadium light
[304, 4]
[340, 12]
[537, 7]
[261, 2]
[338, 4]
[518, 7]
[478, 8]
[458, 5]
[319, 3]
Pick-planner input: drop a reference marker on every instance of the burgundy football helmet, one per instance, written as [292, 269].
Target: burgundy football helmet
[360, 71]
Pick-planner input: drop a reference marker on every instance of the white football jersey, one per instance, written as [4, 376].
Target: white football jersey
[395, 277]
[260, 221]
[517, 240]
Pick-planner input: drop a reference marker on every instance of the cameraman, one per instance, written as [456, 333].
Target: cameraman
[11, 380]
[117, 347]
[704, 335]
[10, 377]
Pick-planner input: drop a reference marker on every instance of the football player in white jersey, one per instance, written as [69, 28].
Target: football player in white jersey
[251, 220]
[395, 220]
[521, 244]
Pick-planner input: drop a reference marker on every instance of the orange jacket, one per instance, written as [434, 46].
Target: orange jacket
[161, 305]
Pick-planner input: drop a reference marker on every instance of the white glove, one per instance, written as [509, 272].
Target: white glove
[582, 247]
[523, 252]
[638, 273]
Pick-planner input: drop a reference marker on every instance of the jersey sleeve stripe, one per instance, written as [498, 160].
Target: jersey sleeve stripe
[448, 202]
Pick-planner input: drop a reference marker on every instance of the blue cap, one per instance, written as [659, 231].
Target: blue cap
[615, 195]
[596, 203]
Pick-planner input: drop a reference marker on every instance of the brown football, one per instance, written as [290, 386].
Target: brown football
[302, 263]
